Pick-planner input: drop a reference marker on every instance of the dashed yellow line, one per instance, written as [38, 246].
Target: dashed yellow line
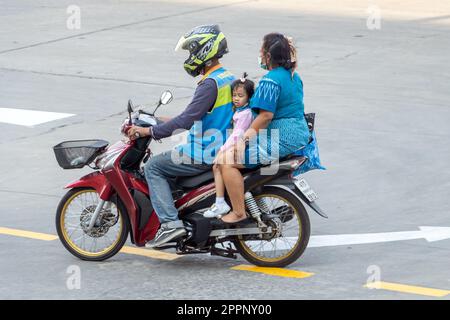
[28, 234]
[155, 254]
[150, 253]
[128, 250]
[397, 287]
[279, 272]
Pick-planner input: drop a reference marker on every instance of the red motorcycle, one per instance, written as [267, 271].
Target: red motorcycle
[101, 209]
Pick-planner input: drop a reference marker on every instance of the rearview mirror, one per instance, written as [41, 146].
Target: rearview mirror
[130, 111]
[166, 97]
[130, 106]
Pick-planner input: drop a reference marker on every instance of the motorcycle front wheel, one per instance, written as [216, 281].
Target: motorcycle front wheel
[290, 237]
[104, 240]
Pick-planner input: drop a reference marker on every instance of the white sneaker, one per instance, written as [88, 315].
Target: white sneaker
[217, 210]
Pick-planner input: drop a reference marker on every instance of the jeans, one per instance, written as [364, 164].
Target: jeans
[158, 170]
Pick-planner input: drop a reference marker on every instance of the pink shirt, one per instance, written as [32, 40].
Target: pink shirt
[241, 122]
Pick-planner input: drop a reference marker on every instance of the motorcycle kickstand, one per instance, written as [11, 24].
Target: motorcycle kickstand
[225, 253]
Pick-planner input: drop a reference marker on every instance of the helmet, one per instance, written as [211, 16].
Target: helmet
[204, 43]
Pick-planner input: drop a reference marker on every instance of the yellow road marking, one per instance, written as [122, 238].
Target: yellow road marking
[28, 234]
[279, 272]
[408, 289]
[128, 250]
[150, 253]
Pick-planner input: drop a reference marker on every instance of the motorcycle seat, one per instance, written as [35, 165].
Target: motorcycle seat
[195, 181]
[208, 176]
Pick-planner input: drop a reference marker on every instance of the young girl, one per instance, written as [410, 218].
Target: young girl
[242, 90]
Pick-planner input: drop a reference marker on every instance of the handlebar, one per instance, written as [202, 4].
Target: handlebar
[147, 120]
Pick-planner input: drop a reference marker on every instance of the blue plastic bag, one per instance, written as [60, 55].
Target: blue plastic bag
[311, 151]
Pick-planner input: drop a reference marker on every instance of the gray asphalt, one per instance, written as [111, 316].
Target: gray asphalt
[381, 98]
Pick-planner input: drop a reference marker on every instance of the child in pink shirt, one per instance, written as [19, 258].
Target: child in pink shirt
[242, 90]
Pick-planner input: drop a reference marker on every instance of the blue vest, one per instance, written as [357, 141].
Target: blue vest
[209, 134]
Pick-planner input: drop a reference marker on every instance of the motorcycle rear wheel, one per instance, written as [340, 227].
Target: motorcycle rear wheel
[79, 211]
[297, 220]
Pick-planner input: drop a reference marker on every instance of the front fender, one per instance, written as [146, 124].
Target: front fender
[94, 180]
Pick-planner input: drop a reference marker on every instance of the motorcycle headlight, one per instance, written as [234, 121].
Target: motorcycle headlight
[101, 161]
[107, 159]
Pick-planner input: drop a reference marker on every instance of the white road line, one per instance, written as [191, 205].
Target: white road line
[430, 234]
[29, 118]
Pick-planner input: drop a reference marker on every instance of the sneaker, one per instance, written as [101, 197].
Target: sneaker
[217, 210]
[164, 235]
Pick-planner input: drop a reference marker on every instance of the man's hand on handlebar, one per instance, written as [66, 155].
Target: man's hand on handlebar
[135, 132]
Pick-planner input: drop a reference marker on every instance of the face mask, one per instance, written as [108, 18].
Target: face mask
[262, 65]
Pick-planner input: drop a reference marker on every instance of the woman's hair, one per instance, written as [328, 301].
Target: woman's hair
[282, 51]
[248, 85]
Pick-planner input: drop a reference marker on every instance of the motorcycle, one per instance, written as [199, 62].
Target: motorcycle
[101, 209]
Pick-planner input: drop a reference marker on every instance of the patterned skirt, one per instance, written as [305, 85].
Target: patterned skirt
[281, 138]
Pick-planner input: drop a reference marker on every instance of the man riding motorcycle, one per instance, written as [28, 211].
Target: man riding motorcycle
[210, 108]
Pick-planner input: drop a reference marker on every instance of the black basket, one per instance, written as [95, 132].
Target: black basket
[78, 153]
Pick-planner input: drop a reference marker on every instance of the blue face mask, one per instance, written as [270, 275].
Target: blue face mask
[261, 64]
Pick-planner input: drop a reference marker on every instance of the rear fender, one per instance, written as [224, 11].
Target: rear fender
[287, 184]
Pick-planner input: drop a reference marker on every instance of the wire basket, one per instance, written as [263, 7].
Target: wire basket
[78, 153]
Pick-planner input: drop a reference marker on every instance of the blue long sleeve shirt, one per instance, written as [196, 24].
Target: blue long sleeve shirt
[203, 100]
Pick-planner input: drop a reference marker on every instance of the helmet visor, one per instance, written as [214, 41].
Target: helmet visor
[180, 43]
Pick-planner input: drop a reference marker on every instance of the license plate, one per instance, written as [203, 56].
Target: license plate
[304, 188]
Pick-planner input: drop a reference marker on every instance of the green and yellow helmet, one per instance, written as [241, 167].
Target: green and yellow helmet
[204, 43]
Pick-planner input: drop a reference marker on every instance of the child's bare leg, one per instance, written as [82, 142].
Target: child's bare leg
[220, 207]
[225, 158]
[220, 186]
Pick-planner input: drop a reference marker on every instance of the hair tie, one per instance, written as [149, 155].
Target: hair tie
[244, 76]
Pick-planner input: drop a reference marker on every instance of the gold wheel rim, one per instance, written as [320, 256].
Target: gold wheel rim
[277, 259]
[69, 241]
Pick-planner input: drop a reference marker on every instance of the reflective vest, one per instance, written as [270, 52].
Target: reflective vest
[207, 135]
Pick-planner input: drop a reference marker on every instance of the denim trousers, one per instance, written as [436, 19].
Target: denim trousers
[159, 170]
